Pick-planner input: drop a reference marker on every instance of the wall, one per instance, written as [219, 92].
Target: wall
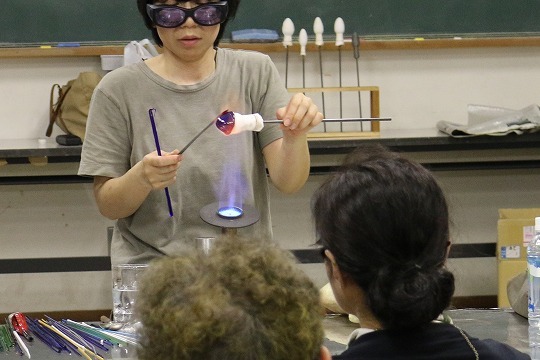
[418, 88]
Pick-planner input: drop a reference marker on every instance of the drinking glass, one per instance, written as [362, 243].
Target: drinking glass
[124, 290]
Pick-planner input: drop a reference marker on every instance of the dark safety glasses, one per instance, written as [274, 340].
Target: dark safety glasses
[171, 16]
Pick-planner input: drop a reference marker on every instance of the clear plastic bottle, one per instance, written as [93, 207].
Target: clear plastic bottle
[533, 265]
[534, 342]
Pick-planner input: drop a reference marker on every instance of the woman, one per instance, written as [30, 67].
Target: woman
[382, 222]
[189, 84]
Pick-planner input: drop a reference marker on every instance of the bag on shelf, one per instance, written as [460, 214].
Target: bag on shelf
[137, 51]
[69, 105]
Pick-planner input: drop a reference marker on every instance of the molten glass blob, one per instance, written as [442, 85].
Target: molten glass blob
[225, 122]
[230, 212]
[234, 123]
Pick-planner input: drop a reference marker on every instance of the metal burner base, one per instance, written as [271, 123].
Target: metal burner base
[210, 215]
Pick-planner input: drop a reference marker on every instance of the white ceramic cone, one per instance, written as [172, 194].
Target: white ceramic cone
[339, 29]
[318, 29]
[303, 39]
[288, 30]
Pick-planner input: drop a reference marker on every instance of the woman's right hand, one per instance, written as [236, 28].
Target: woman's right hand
[160, 171]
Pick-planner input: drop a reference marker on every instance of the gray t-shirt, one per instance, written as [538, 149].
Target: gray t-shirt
[216, 168]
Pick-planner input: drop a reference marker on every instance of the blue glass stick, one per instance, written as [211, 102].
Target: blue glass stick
[42, 335]
[158, 148]
[91, 339]
[49, 342]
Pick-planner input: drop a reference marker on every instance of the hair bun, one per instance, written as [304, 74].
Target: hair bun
[411, 296]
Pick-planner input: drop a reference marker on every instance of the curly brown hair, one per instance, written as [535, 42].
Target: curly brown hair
[247, 299]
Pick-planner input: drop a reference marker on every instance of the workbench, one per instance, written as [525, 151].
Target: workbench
[499, 324]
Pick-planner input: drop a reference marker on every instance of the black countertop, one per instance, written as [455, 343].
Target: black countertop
[21, 148]
[413, 140]
[409, 140]
[430, 141]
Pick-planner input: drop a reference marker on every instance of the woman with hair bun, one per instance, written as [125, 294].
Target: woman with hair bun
[382, 222]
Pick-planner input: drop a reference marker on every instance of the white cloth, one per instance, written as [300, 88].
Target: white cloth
[486, 120]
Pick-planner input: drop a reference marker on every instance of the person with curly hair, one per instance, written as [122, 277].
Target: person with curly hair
[383, 223]
[245, 300]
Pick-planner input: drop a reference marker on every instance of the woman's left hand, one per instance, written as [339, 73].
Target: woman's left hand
[299, 116]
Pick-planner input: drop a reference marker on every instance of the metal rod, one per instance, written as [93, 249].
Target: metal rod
[303, 40]
[322, 85]
[339, 29]
[197, 136]
[303, 71]
[356, 53]
[287, 28]
[340, 93]
[286, 65]
[335, 120]
[318, 29]
[322, 79]
[359, 96]
[231, 232]
[275, 121]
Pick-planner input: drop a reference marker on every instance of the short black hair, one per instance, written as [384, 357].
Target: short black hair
[141, 4]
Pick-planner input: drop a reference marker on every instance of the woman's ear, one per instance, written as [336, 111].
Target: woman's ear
[332, 269]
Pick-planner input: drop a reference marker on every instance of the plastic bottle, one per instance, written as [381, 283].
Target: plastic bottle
[533, 265]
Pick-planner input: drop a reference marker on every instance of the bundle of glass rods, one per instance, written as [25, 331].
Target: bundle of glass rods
[89, 341]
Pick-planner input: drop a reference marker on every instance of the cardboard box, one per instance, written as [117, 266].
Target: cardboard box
[515, 229]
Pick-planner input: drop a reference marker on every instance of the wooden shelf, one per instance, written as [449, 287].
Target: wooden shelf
[365, 45]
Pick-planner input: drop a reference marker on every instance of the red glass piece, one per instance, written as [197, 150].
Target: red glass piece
[19, 322]
[225, 122]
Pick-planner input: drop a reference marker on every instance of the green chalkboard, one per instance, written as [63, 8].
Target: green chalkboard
[44, 21]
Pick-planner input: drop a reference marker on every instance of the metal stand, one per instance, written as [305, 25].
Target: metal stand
[374, 112]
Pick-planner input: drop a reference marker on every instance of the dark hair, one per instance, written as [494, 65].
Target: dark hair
[141, 4]
[385, 220]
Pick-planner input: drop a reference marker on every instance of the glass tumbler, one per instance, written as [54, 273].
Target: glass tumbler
[125, 279]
